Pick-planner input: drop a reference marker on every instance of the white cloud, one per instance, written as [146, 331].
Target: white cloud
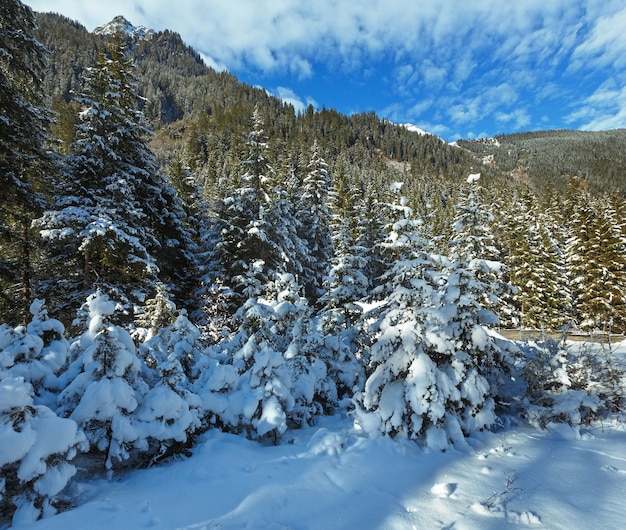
[518, 118]
[268, 34]
[209, 61]
[604, 109]
[287, 95]
[606, 43]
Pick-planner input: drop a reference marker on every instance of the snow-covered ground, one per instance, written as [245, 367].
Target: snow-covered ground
[333, 476]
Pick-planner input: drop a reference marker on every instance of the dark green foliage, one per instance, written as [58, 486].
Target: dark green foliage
[24, 162]
[549, 158]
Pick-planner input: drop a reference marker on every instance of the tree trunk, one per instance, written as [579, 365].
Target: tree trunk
[26, 268]
[86, 269]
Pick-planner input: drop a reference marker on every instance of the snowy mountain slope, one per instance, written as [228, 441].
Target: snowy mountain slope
[415, 129]
[120, 24]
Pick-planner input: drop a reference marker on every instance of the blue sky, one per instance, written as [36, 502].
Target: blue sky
[456, 68]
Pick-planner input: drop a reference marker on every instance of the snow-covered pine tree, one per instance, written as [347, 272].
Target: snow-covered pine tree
[557, 297]
[584, 259]
[174, 248]
[263, 395]
[197, 221]
[536, 264]
[345, 286]
[116, 219]
[346, 282]
[371, 232]
[105, 384]
[24, 161]
[36, 450]
[607, 280]
[179, 340]
[250, 233]
[313, 215]
[616, 246]
[480, 362]
[37, 353]
[170, 414]
[157, 313]
[411, 388]
[312, 391]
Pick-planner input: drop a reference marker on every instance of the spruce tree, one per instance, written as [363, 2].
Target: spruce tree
[105, 385]
[608, 280]
[406, 393]
[37, 352]
[97, 230]
[313, 216]
[36, 450]
[254, 242]
[584, 261]
[24, 161]
[471, 290]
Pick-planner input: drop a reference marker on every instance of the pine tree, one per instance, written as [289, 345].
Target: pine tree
[24, 161]
[345, 285]
[535, 235]
[372, 216]
[313, 217]
[264, 380]
[312, 391]
[256, 221]
[584, 260]
[105, 385]
[406, 391]
[37, 353]
[471, 290]
[98, 230]
[170, 414]
[557, 298]
[346, 282]
[158, 313]
[252, 236]
[607, 282]
[36, 450]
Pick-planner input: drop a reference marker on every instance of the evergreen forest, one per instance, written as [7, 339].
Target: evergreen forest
[180, 251]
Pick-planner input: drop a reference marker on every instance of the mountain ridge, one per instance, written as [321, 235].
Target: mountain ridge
[121, 24]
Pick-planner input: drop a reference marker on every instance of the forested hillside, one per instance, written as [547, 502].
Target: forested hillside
[549, 158]
[181, 251]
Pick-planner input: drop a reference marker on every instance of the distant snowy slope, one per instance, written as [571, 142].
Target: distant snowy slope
[416, 129]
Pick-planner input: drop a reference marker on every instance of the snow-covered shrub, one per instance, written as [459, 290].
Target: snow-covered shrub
[36, 352]
[180, 340]
[244, 383]
[570, 383]
[344, 371]
[105, 384]
[36, 449]
[313, 392]
[170, 413]
[157, 313]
